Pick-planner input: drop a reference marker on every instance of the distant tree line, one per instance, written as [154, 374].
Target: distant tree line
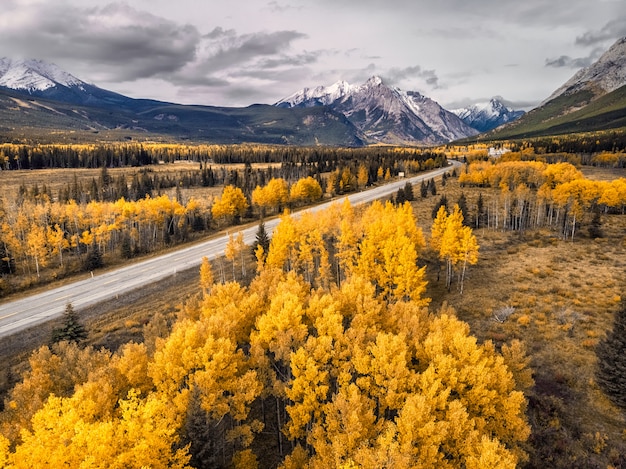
[116, 155]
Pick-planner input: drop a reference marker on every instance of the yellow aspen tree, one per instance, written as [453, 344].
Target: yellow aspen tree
[4, 451]
[231, 252]
[66, 434]
[278, 191]
[260, 255]
[241, 249]
[57, 240]
[231, 204]
[259, 199]
[207, 279]
[450, 248]
[332, 182]
[468, 249]
[281, 329]
[306, 190]
[362, 176]
[437, 231]
[349, 409]
[347, 181]
[282, 252]
[36, 246]
[388, 252]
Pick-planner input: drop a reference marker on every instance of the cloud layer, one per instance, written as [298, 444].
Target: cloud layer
[208, 53]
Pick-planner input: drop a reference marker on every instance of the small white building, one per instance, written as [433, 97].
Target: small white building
[497, 152]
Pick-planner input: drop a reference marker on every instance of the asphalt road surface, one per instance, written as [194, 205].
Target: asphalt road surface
[27, 312]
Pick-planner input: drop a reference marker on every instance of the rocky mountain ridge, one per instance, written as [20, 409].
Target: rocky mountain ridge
[385, 114]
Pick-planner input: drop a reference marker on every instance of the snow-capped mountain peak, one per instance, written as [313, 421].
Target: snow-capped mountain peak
[320, 95]
[34, 75]
[487, 115]
[374, 81]
[385, 114]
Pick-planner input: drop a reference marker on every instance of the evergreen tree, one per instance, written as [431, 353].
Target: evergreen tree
[423, 190]
[262, 239]
[94, 258]
[432, 187]
[462, 203]
[126, 249]
[480, 210]
[612, 360]
[443, 202]
[595, 228]
[71, 330]
[408, 192]
[400, 197]
[7, 263]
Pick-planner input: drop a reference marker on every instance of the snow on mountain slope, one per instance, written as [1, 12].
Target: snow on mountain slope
[319, 96]
[487, 116]
[34, 75]
[385, 114]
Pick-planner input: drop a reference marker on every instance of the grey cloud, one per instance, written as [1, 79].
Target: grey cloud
[276, 7]
[613, 30]
[219, 32]
[239, 50]
[428, 76]
[127, 44]
[567, 61]
[224, 56]
[305, 58]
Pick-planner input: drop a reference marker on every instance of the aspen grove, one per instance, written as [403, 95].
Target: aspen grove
[330, 357]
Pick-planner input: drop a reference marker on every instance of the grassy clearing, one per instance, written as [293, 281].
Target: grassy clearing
[55, 179]
[564, 296]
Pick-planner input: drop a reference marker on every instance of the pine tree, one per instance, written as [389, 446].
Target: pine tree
[595, 227]
[612, 360]
[408, 192]
[400, 197]
[72, 330]
[443, 202]
[94, 258]
[262, 239]
[462, 203]
[432, 187]
[480, 210]
[423, 190]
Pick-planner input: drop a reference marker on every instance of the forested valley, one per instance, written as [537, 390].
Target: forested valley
[83, 224]
[378, 336]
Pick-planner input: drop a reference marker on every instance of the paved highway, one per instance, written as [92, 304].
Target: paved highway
[27, 312]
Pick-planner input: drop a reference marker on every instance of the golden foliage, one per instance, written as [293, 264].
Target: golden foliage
[358, 372]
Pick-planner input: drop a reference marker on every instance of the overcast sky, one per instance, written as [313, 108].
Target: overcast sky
[240, 52]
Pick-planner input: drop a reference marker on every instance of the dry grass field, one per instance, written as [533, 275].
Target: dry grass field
[562, 295]
[55, 179]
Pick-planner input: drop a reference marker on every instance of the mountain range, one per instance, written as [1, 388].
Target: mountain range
[385, 114]
[593, 99]
[41, 101]
[38, 99]
[35, 95]
[487, 116]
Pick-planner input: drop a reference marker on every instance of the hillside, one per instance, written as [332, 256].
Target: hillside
[593, 99]
[568, 114]
[23, 116]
